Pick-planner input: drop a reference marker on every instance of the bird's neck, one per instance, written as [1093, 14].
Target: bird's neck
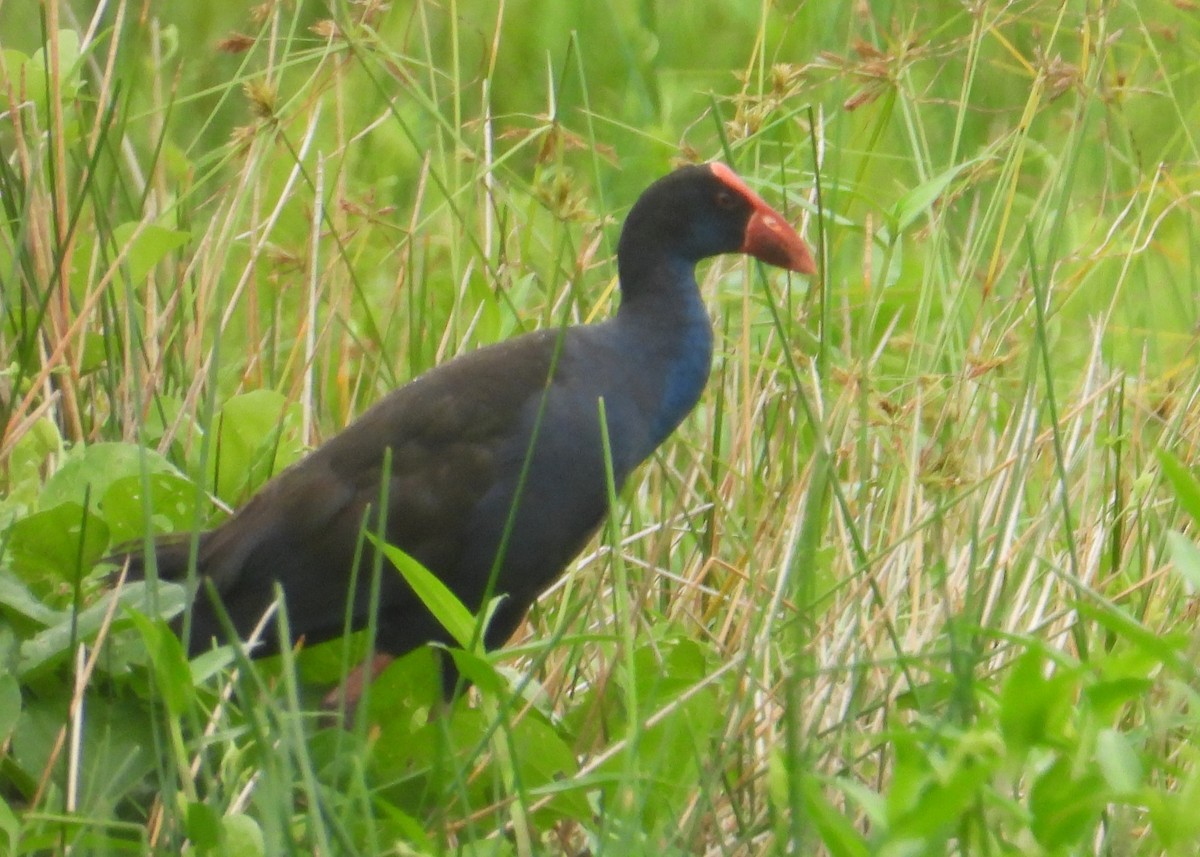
[666, 326]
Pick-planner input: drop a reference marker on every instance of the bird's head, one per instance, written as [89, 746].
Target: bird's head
[705, 210]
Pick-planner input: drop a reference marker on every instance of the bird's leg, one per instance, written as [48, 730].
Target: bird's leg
[356, 681]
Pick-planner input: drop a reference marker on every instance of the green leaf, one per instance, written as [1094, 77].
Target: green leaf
[109, 476]
[34, 71]
[10, 705]
[404, 828]
[1162, 646]
[410, 686]
[169, 413]
[948, 792]
[1187, 487]
[663, 670]
[31, 454]
[147, 247]
[172, 505]
[68, 57]
[115, 745]
[95, 352]
[249, 447]
[203, 826]
[1065, 806]
[479, 671]
[778, 781]
[242, 837]
[15, 595]
[90, 471]
[1118, 762]
[547, 766]
[209, 663]
[1032, 705]
[434, 594]
[173, 677]
[1185, 557]
[58, 543]
[922, 197]
[836, 831]
[669, 751]
[14, 63]
[52, 643]
[10, 824]
[1107, 698]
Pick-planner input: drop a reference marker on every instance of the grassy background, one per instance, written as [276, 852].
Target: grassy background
[916, 577]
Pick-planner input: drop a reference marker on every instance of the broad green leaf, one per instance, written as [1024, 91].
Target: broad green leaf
[115, 744]
[1065, 805]
[1164, 646]
[434, 594]
[837, 832]
[203, 825]
[52, 643]
[95, 352]
[58, 543]
[10, 824]
[1032, 704]
[242, 837]
[15, 596]
[10, 705]
[26, 463]
[147, 245]
[90, 471]
[109, 475]
[36, 83]
[547, 766]
[1186, 485]
[410, 686]
[172, 505]
[663, 671]
[1108, 698]
[1185, 556]
[479, 671]
[167, 412]
[668, 751]
[251, 445]
[68, 57]
[173, 677]
[948, 796]
[14, 63]
[1118, 762]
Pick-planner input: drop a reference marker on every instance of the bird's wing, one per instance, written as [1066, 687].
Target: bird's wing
[450, 435]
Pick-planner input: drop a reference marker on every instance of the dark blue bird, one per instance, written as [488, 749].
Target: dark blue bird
[460, 435]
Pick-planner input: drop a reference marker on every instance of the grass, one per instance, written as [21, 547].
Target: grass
[917, 576]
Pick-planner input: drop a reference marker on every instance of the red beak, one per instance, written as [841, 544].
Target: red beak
[768, 237]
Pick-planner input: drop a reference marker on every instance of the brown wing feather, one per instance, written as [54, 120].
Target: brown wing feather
[445, 431]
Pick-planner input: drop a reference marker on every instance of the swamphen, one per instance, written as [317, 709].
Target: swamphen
[516, 422]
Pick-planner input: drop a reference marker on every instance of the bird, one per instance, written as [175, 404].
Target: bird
[496, 463]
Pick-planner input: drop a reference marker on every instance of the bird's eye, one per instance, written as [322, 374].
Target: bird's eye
[724, 199]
